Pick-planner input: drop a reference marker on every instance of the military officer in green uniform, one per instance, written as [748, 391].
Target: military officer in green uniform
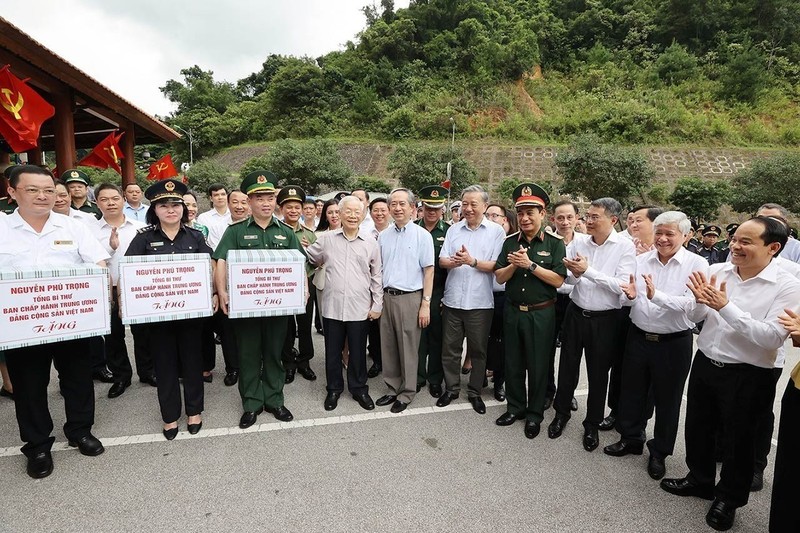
[291, 199]
[531, 265]
[7, 204]
[77, 183]
[430, 370]
[260, 340]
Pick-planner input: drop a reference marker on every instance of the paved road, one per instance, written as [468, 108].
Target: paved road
[427, 469]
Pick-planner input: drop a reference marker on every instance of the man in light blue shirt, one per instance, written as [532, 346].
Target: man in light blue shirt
[407, 257]
[134, 208]
[469, 253]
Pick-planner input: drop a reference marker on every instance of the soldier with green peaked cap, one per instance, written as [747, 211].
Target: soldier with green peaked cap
[260, 340]
[429, 367]
[531, 265]
[77, 183]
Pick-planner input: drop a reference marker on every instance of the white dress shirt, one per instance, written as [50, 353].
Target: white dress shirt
[747, 330]
[126, 232]
[216, 224]
[610, 265]
[466, 287]
[405, 252]
[792, 250]
[135, 213]
[63, 241]
[87, 218]
[666, 312]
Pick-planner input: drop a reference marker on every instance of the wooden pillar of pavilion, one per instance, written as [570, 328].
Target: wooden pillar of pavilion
[129, 161]
[64, 130]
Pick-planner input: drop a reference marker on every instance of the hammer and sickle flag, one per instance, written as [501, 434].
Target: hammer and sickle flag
[22, 112]
[162, 169]
[106, 154]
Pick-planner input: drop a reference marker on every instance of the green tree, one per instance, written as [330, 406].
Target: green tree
[371, 184]
[699, 198]
[313, 165]
[676, 65]
[595, 170]
[416, 166]
[774, 179]
[743, 77]
[199, 90]
[208, 171]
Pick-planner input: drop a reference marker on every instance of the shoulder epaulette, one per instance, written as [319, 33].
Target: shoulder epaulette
[149, 227]
[515, 234]
[552, 233]
[306, 228]
[285, 224]
[237, 222]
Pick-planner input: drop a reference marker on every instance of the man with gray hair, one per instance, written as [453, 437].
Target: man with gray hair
[469, 253]
[407, 257]
[599, 263]
[658, 350]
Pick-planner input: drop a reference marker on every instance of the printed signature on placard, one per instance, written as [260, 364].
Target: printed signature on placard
[54, 326]
[267, 301]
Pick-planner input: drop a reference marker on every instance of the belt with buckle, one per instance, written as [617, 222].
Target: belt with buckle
[718, 364]
[397, 292]
[534, 307]
[585, 313]
[660, 337]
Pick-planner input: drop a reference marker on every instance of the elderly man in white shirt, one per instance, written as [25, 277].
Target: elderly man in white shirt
[658, 350]
[598, 263]
[115, 232]
[731, 382]
[469, 254]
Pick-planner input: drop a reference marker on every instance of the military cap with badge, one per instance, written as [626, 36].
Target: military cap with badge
[291, 193]
[433, 196]
[712, 230]
[74, 175]
[530, 194]
[170, 190]
[259, 182]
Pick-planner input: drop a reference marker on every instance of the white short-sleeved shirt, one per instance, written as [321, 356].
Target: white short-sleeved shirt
[63, 242]
[216, 224]
[126, 232]
[466, 287]
[405, 253]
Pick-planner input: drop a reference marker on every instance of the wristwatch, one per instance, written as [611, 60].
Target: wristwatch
[533, 266]
[426, 298]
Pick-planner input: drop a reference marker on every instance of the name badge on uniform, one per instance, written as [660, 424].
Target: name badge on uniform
[280, 237]
[250, 237]
[440, 238]
[63, 243]
[155, 244]
[543, 253]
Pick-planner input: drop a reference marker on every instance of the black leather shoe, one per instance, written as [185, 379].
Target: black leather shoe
[758, 482]
[5, 393]
[548, 403]
[499, 393]
[557, 426]
[103, 375]
[445, 399]
[656, 467]
[374, 370]
[194, 429]
[331, 401]
[720, 516]
[307, 373]
[622, 448]
[118, 388]
[40, 465]
[231, 378]
[398, 406]
[478, 405]
[88, 445]
[208, 378]
[281, 413]
[150, 380]
[532, 429]
[608, 423]
[289, 376]
[249, 418]
[386, 400]
[465, 370]
[435, 390]
[506, 419]
[686, 487]
[574, 405]
[170, 434]
[420, 385]
[364, 401]
[591, 440]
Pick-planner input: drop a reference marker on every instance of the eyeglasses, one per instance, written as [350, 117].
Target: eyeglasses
[495, 215]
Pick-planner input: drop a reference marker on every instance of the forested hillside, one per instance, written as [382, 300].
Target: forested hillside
[719, 72]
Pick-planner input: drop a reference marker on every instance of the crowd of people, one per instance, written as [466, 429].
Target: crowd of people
[393, 281]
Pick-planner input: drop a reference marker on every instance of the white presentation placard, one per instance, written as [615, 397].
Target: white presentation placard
[41, 306]
[157, 288]
[266, 283]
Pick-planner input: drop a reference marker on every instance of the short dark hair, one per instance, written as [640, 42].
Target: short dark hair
[214, 187]
[13, 179]
[129, 184]
[106, 186]
[562, 203]
[366, 194]
[652, 211]
[309, 201]
[774, 231]
[151, 218]
[377, 201]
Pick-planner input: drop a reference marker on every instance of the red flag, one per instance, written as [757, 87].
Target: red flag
[106, 154]
[162, 169]
[185, 180]
[22, 112]
[446, 184]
